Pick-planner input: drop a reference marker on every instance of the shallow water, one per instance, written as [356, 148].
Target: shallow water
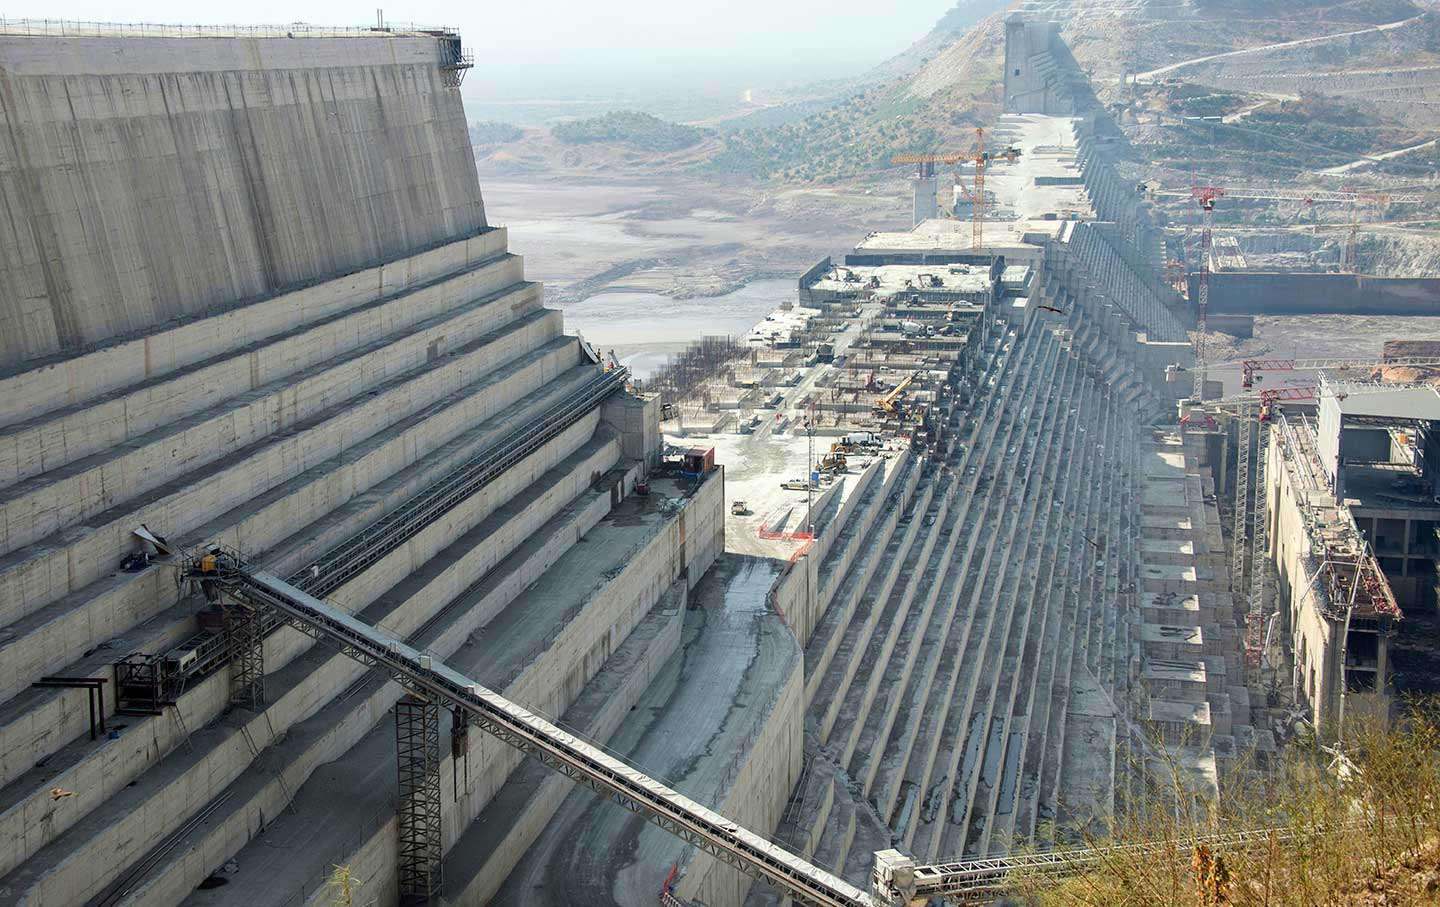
[633, 320]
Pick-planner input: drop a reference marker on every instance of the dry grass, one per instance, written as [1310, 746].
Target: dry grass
[1363, 831]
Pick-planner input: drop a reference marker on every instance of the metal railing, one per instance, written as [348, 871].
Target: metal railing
[380, 538]
[73, 28]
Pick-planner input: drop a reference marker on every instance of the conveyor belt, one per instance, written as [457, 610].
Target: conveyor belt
[397, 527]
[355, 554]
[989, 877]
[533, 735]
[709, 831]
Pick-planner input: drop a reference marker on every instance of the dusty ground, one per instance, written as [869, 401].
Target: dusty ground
[676, 235]
[1414, 881]
[644, 265]
[1314, 337]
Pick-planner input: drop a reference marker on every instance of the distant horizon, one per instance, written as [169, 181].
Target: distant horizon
[571, 48]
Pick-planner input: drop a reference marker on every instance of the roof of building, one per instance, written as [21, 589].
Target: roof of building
[1409, 403]
[955, 236]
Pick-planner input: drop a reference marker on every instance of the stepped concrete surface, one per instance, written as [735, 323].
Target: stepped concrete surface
[1001, 595]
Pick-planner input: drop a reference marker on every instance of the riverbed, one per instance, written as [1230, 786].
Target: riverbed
[645, 328]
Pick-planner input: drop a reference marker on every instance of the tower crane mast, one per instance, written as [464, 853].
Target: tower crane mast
[1206, 196]
[981, 159]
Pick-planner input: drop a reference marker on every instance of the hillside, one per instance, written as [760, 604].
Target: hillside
[1359, 830]
[1237, 90]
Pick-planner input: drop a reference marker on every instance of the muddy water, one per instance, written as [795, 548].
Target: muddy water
[644, 328]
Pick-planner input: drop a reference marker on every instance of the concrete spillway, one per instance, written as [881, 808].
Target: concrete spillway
[275, 314]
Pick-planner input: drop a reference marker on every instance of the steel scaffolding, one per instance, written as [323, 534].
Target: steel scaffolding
[417, 749]
[245, 643]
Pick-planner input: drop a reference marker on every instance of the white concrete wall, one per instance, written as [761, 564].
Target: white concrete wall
[614, 691]
[45, 504]
[302, 690]
[47, 443]
[683, 547]
[152, 179]
[758, 795]
[31, 392]
[348, 496]
[33, 577]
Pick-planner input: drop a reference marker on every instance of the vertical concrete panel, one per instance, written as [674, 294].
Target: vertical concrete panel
[150, 179]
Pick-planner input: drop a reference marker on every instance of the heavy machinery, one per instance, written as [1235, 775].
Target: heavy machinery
[886, 404]
[146, 682]
[1250, 369]
[1206, 196]
[1254, 414]
[1356, 198]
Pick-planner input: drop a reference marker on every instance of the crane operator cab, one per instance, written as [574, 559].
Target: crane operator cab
[210, 560]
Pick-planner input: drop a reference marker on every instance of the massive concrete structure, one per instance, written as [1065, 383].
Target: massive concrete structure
[252, 298]
[1306, 293]
[158, 180]
[964, 643]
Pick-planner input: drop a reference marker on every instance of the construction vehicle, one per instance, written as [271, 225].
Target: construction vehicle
[833, 462]
[886, 404]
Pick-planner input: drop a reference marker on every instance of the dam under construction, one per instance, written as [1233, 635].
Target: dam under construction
[331, 562]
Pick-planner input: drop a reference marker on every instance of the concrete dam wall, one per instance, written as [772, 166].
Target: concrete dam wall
[1301, 293]
[154, 180]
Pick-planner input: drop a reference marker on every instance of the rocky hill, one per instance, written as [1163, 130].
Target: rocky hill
[1297, 85]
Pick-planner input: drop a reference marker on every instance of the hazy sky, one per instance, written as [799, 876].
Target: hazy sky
[568, 45]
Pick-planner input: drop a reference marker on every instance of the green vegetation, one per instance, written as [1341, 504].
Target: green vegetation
[856, 136]
[630, 127]
[1352, 832]
[1329, 123]
[1279, 139]
[493, 132]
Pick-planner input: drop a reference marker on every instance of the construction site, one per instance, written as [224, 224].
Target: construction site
[335, 572]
